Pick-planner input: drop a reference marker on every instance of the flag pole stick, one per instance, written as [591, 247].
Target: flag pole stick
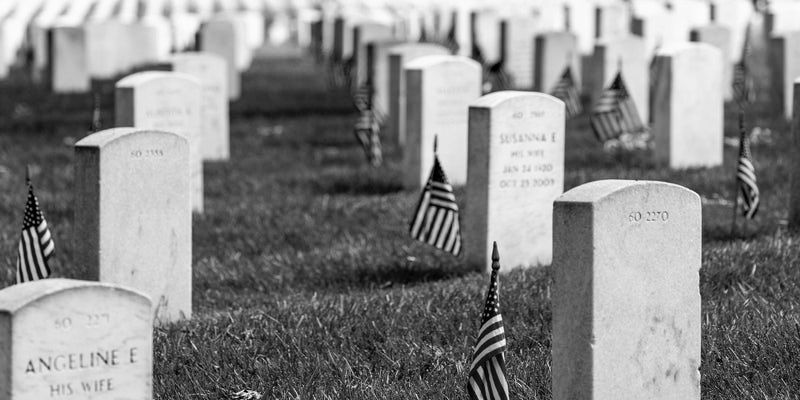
[736, 179]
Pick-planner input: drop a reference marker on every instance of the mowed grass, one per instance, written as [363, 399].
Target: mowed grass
[307, 286]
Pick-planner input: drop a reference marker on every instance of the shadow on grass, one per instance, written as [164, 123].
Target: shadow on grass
[363, 182]
[403, 274]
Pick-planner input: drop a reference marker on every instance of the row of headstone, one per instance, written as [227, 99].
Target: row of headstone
[508, 147]
[496, 30]
[626, 261]
[67, 44]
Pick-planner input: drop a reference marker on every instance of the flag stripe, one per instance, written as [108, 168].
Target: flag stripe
[435, 220]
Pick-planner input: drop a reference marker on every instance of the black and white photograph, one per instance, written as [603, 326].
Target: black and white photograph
[399, 199]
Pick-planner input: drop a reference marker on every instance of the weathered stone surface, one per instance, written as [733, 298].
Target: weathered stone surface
[64, 338]
[133, 215]
[626, 300]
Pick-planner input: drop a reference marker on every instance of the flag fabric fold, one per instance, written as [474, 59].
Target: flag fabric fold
[436, 220]
[566, 91]
[487, 374]
[368, 125]
[743, 84]
[36, 244]
[497, 77]
[615, 113]
[746, 175]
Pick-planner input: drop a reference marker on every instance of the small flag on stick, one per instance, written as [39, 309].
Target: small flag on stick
[497, 77]
[615, 113]
[746, 175]
[35, 245]
[436, 219]
[566, 91]
[97, 123]
[450, 40]
[367, 127]
[487, 374]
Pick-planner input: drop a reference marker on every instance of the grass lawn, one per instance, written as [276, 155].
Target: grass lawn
[306, 284]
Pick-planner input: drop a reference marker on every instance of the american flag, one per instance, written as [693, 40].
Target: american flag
[497, 77]
[615, 113]
[97, 123]
[566, 91]
[36, 245]
[487, 374]
[367, 127]
[450, 40]
[436, 220]
[340, 73]
[746, 175]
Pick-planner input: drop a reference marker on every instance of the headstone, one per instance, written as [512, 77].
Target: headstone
[486, 31]
[688, 106]
[736, 16]
[65, 338]
[399, 56]
[160, 43]
[167, 101]
[254, 25]
[218, 36]
[696, 13]
[719, 37]
[142, 46]
[439, 90]
[784, 55]
[105, 56]
[379, 51]
[68, 62]
[780, 17]
[794, 200]
[612, 21]
[516, 170]
[626, 299]
[659, 27]
[363, 34]
[554, 52]
[627, 52]
[40, 37]
[518, 33]
[133, 215]
[184, 30]
[581, 17]
[212, 72]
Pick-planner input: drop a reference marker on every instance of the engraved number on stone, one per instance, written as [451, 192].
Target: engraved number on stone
[64, 323]
[97, 319]
[649, 216]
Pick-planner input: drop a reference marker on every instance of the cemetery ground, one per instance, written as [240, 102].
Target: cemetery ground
[306, 284]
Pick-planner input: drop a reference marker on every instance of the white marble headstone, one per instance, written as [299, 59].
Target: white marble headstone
[439, 90]
[65, 338]
[688, 106]
[516, 170]
[220, 36]
[400, 55]
[168, 101]
[133, 215]
[627, 53]
[554, 52]
[626, 299]
[68, 60]
[212, 72]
